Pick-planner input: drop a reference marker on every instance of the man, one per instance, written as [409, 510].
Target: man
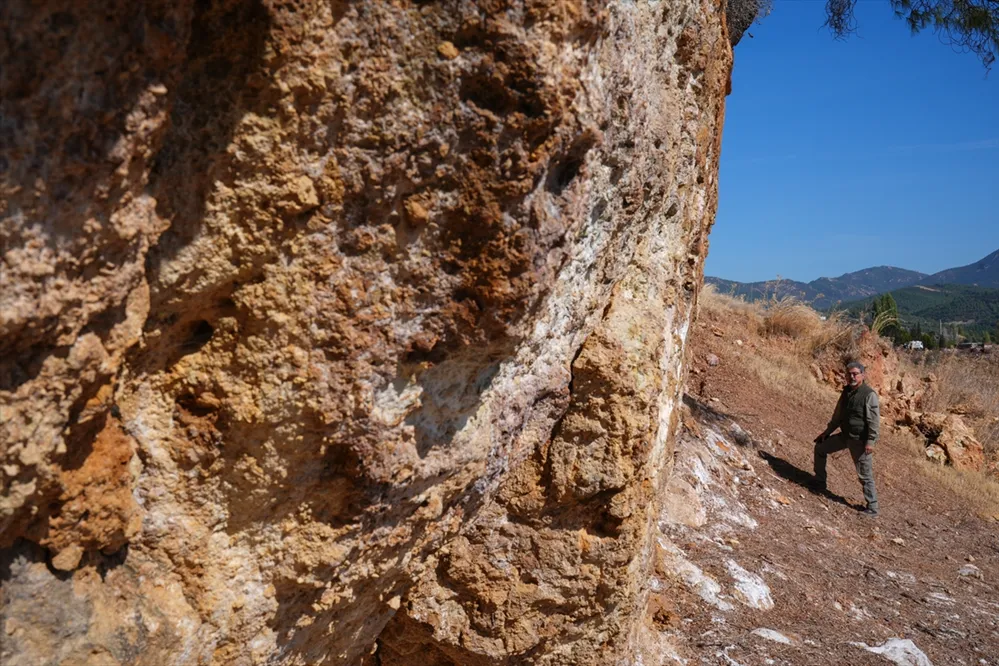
[857, 417]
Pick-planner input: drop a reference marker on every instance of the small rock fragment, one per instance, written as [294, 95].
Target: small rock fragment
[749, 587]
[741, 436]
[448, 50]
[68, 558]
[712, 360]
[772, 635]
[415, 212]
[898, 541]
[902, 652]
[970, 571]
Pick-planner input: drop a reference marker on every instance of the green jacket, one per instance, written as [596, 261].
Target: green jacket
[857, 414]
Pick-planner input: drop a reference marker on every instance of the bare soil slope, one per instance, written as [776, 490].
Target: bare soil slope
[925, 570]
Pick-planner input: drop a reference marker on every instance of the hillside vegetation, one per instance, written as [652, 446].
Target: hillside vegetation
[825, 293]
[971, 310]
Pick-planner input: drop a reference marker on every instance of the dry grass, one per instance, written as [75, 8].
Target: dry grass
[792, 318]
[967, 384]
[796, 320]
[980, 490]
[789, 374]
[835, 332]
[713, 301]
[784, 367]
[786, 317]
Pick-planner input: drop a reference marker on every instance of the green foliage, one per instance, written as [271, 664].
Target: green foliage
[955, 312]
[885, 305]
[969, 25]
[883, 322]
[986, 338]
[885, 317]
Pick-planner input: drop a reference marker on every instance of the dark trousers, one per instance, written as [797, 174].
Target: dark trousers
[862, 463]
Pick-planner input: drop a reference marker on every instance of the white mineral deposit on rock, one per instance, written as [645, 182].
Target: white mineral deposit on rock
[749, 588]
[970, 571]
[900, 651]
[692, 576]
[772, 635]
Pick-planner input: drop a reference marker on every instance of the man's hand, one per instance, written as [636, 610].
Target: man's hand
[869, 449]
[820, 438]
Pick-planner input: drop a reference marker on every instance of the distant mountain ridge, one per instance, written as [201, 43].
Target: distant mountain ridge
[982, 273]
[824, 293]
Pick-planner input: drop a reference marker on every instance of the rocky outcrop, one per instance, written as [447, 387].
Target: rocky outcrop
[858, 344]
[345, 331]
[946, 436]
[948, 439]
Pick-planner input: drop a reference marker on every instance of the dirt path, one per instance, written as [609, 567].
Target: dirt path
[925, 570]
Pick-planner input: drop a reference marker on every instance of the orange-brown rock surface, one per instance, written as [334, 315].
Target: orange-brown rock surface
[949, 440]
[875, 352]
[340, 332]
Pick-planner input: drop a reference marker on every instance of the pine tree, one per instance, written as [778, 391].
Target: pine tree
[966, 25]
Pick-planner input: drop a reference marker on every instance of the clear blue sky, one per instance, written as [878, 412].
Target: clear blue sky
[881, 150]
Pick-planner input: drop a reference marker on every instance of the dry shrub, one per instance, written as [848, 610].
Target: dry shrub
[836, 332]
[713, 301]
[981, 491]
[792, 318]
[797, 320]
[967, 385]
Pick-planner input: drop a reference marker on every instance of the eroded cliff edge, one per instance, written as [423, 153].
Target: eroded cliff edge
[336, 332]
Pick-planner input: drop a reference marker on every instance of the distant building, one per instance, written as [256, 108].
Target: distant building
[914, 344]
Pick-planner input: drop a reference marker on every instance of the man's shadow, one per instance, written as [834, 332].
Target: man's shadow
[787, 470]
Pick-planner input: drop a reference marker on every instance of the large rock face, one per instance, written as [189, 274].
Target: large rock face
[342, 332]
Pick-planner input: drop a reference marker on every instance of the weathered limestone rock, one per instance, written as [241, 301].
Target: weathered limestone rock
[949, 439]
[345, 332]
